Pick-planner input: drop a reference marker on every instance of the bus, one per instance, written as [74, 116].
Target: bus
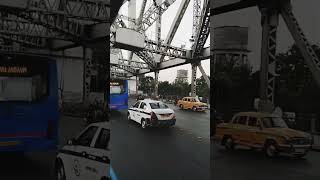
[28, 104]
[118, 94]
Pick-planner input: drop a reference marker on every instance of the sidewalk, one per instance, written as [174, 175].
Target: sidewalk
[316, 145]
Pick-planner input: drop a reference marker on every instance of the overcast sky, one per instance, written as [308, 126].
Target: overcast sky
[307, 13]
[182, 36]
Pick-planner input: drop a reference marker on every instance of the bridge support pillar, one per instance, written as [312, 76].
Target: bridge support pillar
[193, 80]
[270, 18]
[156, 78]
[87, 57]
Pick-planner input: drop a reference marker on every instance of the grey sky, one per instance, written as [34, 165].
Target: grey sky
[182, 37]
[306, 12]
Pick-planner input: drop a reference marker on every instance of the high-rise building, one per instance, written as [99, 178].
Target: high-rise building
[182, 75]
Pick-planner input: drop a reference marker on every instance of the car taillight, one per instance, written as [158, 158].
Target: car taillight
[153, 116]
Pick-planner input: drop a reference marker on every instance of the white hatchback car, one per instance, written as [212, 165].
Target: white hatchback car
[149, 112]
[86, 156]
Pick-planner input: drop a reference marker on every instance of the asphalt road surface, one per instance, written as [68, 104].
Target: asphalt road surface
[38, 166]
[245, 164]
[181, 152]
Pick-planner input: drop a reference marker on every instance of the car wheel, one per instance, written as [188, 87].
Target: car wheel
[229, 144]
[271, 150]
[194, 108]
[143, 124]
[129, 119]
[60, 173]
[181, 106]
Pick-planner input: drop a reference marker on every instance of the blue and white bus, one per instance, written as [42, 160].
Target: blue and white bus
[118, 94]
[28, 104]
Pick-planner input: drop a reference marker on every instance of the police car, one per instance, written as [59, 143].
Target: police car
[149, 112]
[86, 156]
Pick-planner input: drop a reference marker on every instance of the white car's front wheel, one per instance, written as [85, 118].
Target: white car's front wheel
[143, 124]
[60, 173]
[129, 118]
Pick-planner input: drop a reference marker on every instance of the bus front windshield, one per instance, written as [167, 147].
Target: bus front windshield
[274, 122]
[116, 88]
[28, 89]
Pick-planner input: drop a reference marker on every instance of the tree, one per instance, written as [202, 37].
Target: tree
[165, 88]
[202, 88]
[296, 89]
[147, 85]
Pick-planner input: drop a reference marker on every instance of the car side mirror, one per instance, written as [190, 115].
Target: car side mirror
[71, 142]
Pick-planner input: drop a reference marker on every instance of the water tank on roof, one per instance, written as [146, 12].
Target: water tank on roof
[230, 38]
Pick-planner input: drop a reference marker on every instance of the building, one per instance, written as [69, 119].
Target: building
[231, 45]
[182, 75]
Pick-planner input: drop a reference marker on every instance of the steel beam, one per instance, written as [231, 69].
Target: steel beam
[270, 20]
[203, 31]
[151, 15]
[206, 78]
[310, 57]
[176, 23]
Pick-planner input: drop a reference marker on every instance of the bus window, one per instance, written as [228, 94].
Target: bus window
[23, 88]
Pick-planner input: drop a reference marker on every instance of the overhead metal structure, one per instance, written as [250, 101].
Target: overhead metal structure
[160, 54]
[271, 10]
[74, 29]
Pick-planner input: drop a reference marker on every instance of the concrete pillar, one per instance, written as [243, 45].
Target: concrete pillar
[193, 80]
[87, 57]
[156, 78]
[137, 85]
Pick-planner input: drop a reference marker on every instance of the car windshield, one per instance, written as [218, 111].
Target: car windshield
[158, 105]
[273, 122]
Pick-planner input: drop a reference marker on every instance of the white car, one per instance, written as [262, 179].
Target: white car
[86, 156]
[149, 112]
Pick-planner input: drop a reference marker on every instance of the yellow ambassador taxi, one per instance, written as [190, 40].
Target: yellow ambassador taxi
[192, 103]
[263, 131]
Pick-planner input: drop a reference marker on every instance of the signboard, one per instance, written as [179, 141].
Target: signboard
[13, 69]
[21, 68]
[129, 39]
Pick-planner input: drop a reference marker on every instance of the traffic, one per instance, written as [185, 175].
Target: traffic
[263, 131]
[160, 133]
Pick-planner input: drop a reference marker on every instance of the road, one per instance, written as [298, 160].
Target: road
[38, 166]
[178, 153]
[246, 164]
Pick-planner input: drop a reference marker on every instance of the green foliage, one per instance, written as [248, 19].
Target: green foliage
[296, 89]
[147, 85]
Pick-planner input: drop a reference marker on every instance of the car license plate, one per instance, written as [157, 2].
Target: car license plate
[300, 150]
